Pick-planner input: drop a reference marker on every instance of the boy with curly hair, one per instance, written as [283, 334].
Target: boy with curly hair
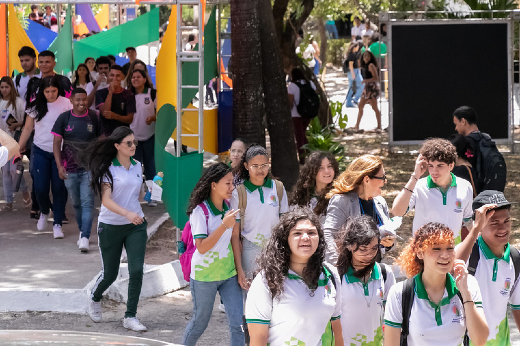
[439, 197]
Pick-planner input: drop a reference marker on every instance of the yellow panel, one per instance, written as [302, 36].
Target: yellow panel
[190, 124]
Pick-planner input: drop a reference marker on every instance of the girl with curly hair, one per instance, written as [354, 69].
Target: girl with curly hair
[357, 191]
[294, 296]
[439, 197]
[212, 264]
[315, 181]
[443, 307]
[364, 282]
[261, 200]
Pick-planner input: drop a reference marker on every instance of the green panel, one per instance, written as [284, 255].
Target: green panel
[142, 30]
[62, 47]
[180, 173]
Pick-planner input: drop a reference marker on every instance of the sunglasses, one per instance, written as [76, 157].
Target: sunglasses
[131, 143]
[380, 178]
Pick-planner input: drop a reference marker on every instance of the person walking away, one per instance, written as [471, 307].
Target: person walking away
[12, 113]
[487, 160]
[73, 131]
[117, 179]
[116, 105]
[212, 265]
[371, 91]
[463, 168]
[42, 116]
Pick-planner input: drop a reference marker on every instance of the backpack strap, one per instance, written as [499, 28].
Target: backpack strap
[383, 271]
[242, 204]
[406, 306]
[473, 259]
[206, 212]
[17, 80]
[279, 192]
[465, 341]
[515, 255]
[153, 94]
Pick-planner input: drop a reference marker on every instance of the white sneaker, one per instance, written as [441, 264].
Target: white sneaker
[83, 244]
[58, 234]
[222, 308]
[133, 323]
[94, 310]
[42, 222]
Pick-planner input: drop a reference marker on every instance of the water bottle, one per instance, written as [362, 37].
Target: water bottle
[19, 174]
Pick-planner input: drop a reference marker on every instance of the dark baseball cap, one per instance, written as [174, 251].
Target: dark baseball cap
[490, 197]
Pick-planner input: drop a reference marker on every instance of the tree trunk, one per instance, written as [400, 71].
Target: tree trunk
[279, 123]
[247, 72]
[323, 39]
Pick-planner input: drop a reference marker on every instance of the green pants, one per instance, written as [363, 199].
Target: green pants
[111, 241]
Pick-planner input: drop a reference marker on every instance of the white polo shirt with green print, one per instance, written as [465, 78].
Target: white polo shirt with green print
[432, 324]
[262, 212]
[298, 317]
[218, 263]
[451, 208]
[496, 277]
[363, 306]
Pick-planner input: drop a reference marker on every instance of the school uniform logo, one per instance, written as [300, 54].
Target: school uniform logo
[90, 128]
[147, 100]
[507, 288]
[456, 313]
[273, 200]
[458, 206]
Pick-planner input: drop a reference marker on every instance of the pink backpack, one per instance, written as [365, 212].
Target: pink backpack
[188, 244]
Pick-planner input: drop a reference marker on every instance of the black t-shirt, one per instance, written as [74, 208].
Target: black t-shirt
[126, 67]
[462, 172]
[123, 103]
[77, 132]
[354, 57]
[365, 72]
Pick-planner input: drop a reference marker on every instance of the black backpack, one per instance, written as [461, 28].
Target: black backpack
[490, 164]
[475, 257]
[309, 104]
[406, 306]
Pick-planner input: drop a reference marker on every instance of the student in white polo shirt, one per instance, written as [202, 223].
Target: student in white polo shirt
[264, 199]
[439, 197]
[117, 178]
[364, 282]
[213, 264]
[295, 295]
[494, 263]
[443, 307]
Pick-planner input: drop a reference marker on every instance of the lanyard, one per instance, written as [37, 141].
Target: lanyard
[375, 214]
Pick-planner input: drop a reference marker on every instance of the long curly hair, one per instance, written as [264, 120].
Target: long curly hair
[439, 149]
[202, 189]
[352, 177]
[357, 231]
[275, 257]
[252, 151]
[305, 186]
[425, 237]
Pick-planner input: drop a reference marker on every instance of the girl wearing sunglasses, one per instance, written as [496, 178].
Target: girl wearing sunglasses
[357, 191]
[117, 178]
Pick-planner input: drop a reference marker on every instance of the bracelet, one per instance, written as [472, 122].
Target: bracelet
[407, 189]
[226, 227]
[413, 176]
[468, 301]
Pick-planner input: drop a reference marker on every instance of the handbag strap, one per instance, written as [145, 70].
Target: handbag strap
[472, 183]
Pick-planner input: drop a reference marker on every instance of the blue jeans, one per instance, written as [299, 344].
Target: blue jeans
[332, 31]
[46, 177]
[203, 296]
[350, 95]
[78, 185]
[145, 153]
[316, 67]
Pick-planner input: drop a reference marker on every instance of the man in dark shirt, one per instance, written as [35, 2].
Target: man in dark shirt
[75, 129]
[131, 53]
[116, 105]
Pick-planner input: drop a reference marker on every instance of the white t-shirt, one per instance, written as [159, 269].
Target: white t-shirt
[363, 306]
[87, 87]
[4, 153]
[431, 324]
[218, 263]
[295, 317]
[262, 210]
[451, 208]
[5, 113]
[24, 80]
[145, 108]
[357, 30]
[43, 138]
[293, 89]
[125, 192]
[497, 284]
[368, 32]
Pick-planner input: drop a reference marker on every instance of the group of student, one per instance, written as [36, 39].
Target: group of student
[305, 268]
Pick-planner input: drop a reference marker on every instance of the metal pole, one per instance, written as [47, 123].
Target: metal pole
[7, 37]
[201, 80]
[179, 83]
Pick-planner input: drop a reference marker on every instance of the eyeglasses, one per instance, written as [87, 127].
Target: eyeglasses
[367, 250]
[380, 178]
[131, 143]
[263, 167]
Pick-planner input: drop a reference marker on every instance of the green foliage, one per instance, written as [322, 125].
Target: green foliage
[336, 50]
[335, 109]
[323, 138]
[497, 5]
